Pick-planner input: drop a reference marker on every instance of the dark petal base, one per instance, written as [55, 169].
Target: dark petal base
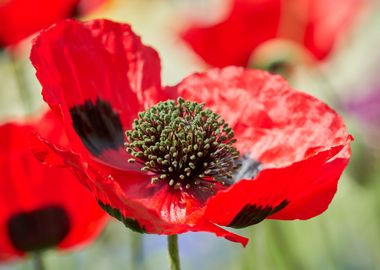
[248, 169]
[128, 222]
[253, 214]
[75, 12]
[39, 229]
[98, 126]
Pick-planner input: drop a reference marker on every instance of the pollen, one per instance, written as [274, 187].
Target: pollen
[183, 144]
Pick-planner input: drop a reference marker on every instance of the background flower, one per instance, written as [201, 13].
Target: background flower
[312, 26]
[21, 18]
[41, 207]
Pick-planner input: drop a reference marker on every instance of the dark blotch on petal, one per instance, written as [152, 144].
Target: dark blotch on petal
[75, 12]
[252, 214]
[98, 126]
[249, 168]
[128, 222]
[39, 229]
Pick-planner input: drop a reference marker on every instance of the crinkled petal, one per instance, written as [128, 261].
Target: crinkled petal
[96, 76]
[292, 192]
[273, 123]
[152, 208]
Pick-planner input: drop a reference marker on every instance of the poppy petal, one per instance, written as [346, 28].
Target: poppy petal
[316, 198]
[274, 190]
[21, 18]
[96, 68]
[231, 41]
[131, 198]
[94, 177]
[273, 123]
[316, 25]
[328, 22]
[36, 190]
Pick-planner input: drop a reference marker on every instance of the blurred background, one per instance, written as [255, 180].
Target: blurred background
[340, 65]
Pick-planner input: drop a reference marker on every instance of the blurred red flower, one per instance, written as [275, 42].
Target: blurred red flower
[97, 76]
[41, 207]
[315, 25]
[21, 18]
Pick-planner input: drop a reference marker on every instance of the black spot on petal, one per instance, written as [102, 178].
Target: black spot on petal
[249, 168]
[75, 12]
[128, 222]
[252, 214]
[38, 229]
[98, 126]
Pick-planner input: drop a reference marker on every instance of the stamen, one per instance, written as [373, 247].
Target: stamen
[184, 144]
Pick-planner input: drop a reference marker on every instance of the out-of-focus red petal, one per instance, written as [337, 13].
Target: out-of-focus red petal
[29, 185]
[327, 22]
[316, 25]
[274, 123]
[21, 18]
[231, 41]
[86, 6]
[99, 67]
[275, 190]
[87, 218]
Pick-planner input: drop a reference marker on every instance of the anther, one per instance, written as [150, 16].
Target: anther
[183, 141]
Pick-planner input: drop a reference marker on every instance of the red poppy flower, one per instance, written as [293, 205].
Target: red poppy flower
[97, 76]
[315, 25]
[21, 18]
[41, 207]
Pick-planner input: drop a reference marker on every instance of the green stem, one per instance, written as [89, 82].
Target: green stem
[173, 252]
[22, 84]
[137, 250]
[37, 261]
[281, 243]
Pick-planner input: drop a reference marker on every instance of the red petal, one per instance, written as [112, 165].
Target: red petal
[274, 123]
[30, 185]
[156, 208]
[327, 22]
[314, 24]
[99, 67]
[316, 198]
[21, 18]
[296, 187]
[87, 6]
[232, 41]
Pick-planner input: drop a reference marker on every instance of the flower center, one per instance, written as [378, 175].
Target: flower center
[183, 144]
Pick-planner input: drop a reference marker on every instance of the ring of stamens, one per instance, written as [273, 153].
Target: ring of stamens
[184, 144]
